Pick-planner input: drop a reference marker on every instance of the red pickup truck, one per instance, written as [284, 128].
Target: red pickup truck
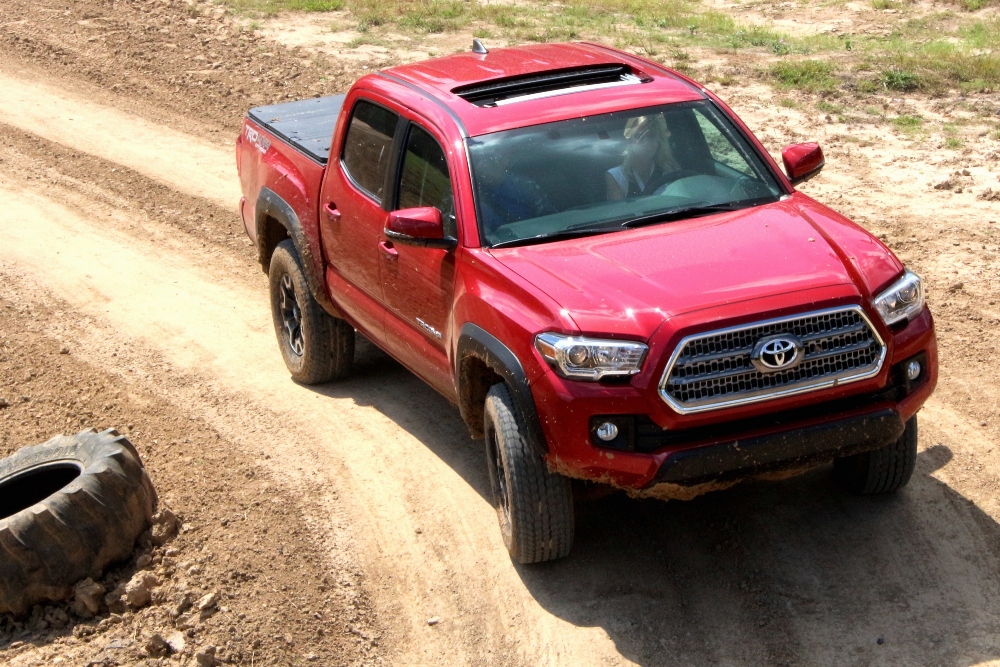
[596, 260]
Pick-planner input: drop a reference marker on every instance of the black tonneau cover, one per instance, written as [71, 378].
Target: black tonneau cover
[305, 124]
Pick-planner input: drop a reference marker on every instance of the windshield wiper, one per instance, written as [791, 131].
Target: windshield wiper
[691, 212]
[555, 236]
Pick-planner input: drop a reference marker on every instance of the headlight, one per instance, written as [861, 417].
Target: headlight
[588, 358]
[904, 299]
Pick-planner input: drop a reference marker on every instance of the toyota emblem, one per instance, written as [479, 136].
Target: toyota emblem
[776, 353]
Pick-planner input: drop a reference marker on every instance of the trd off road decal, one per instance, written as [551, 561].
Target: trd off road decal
[257, 139]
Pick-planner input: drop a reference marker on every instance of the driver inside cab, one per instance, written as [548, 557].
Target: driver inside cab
[648, 161]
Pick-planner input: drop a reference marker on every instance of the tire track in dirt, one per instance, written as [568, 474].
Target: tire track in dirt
[763, 574]
[183, 162]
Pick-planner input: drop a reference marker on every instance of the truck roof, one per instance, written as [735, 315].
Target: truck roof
[527, 85]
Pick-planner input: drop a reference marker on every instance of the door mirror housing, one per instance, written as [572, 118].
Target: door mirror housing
[421, 226]
[802, 161]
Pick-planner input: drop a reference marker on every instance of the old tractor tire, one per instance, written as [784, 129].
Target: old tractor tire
[68, 508]
[316, 346]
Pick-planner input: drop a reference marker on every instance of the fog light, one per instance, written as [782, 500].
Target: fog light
[607, 431]
[913, 370]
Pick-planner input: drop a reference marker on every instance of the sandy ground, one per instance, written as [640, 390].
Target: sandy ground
[120, 244]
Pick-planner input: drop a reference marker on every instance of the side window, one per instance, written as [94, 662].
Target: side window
[722, 149]
[424, 180]
[367, 146]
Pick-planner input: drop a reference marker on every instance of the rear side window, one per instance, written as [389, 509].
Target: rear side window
[368, 145]
[424, 180]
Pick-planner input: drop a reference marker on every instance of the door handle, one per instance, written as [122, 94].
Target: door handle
[331, 211]
[388, 250]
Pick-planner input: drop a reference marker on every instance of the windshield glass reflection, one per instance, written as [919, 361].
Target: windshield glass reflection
[600, 173]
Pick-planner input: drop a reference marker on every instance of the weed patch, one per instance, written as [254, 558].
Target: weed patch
[815, 76]
[896, 79]
[907, 121]
[272, 7]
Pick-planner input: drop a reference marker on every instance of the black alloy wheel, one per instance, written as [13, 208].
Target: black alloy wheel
[316, 346]
[291, 316]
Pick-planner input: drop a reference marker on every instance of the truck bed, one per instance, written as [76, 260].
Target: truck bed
[307, 125]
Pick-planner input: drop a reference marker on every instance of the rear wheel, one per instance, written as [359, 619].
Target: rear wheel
[534, 506]
[316, 346]
[881, 470]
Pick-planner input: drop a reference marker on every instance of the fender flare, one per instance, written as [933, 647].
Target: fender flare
[271, 205]
[474, 341]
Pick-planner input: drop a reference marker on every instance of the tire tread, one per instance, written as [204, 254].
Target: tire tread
[882, 470]
[541, 502]
[80, 529]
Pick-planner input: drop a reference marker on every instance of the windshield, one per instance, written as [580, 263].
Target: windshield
[602, 173]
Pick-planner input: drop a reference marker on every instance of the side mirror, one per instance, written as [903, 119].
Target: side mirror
[802, 161]
[420, 227]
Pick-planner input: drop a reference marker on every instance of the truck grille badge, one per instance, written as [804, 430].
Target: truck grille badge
[776, 353]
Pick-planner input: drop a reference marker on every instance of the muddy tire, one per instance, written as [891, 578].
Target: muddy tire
[316, 346]
[534, 506]
[68, 508]
[881, 470]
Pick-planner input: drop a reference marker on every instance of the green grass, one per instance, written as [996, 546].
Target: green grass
[932, 53]
[788, 103]
[829, 107]
[975, 5]
[954, 143]
[366, 39]
[897, 79]
[907, 121]
[815, 76]
[272, 7]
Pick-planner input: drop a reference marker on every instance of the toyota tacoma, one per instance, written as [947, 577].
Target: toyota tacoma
[595, 259]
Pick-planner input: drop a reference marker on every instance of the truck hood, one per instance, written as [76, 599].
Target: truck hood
[628, 283]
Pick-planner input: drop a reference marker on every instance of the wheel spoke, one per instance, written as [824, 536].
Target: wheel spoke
[291, 315]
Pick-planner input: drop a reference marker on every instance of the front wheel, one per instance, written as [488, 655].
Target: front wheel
[534, 506]
[316, 346]
[882, 470]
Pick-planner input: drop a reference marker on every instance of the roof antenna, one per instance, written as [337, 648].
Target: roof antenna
[477, 47]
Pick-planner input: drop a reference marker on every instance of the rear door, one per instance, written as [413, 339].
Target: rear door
[353, 212]
[419, 283]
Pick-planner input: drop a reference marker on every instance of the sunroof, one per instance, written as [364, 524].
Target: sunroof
[548, 84]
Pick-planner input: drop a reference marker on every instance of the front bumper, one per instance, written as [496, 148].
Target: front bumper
[735, 444]
[797, 448]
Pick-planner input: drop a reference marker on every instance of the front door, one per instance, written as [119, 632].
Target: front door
[352, 216]
[418, 283]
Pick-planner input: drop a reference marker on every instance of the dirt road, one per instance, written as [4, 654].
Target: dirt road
[119, 237]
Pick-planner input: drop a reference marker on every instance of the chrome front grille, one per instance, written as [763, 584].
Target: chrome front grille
[713, 370]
